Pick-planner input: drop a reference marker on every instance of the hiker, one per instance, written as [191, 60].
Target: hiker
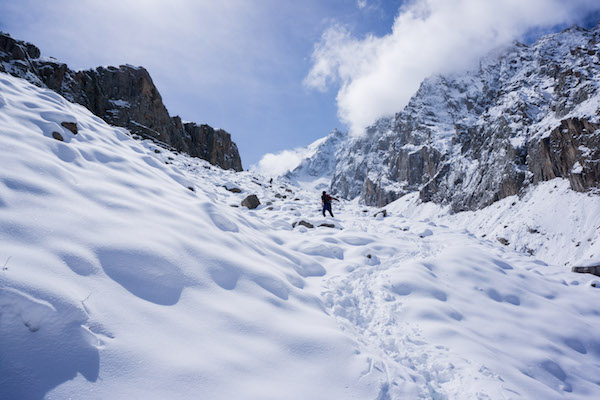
[326, 201]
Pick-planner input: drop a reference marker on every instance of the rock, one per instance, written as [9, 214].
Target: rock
[594, 270]
[212, 145]
[303, 223]
[383, 213]
[251, 202]
[327, 225]
[72, 126]
[504, 241]
[123, 96]
[572, 150]
[57, 136]
[233, 189]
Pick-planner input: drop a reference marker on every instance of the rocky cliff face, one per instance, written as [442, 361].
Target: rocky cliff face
[526, 114]
[123, 96]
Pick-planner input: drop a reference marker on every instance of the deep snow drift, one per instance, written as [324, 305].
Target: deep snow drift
[127, 273]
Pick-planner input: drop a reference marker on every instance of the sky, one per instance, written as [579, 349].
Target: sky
[279, 74]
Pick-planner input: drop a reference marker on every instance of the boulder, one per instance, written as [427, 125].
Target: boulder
[327, 225]
[251, 202]
[303, 223]
[594, 270]
[504, 241]
[72, 126]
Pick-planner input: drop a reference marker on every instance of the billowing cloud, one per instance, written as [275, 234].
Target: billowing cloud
[378, 75]
[277, 164]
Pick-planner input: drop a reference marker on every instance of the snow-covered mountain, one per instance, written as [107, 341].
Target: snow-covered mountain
[318, 165]
[525, 115]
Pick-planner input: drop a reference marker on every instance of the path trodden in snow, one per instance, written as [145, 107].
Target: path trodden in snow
[129, 271]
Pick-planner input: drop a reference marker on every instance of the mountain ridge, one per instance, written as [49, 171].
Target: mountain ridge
[123, 96]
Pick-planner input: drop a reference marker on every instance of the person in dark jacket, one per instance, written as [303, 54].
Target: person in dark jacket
[326, 202]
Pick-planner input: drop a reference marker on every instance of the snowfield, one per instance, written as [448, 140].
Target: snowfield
[129, 271]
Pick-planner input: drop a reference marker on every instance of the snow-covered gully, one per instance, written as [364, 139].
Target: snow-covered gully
[129, 271]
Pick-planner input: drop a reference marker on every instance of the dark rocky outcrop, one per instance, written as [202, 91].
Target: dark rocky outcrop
[572, 150]
[72, 126]
[123, 96]
[594, 270]
[327, 225]
[251, 202]
[303, 223]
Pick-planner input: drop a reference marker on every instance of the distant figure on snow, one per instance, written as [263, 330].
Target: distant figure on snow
[326, 202]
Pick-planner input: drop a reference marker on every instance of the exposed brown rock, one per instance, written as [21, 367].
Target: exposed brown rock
[72, 126]
[557, 155]
[123, 96]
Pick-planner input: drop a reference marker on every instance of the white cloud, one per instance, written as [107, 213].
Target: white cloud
[361, 3]
[377, 75]
[272, 165]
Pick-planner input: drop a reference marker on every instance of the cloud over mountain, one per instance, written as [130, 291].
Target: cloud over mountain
[377, 75]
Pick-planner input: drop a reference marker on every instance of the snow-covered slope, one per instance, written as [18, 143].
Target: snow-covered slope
[128, 271]
[121, 282]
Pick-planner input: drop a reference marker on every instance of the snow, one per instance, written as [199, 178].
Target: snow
[130, 273]
[120, 103]
[552, 222]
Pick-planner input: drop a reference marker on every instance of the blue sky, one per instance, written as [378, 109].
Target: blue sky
[250, 66]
